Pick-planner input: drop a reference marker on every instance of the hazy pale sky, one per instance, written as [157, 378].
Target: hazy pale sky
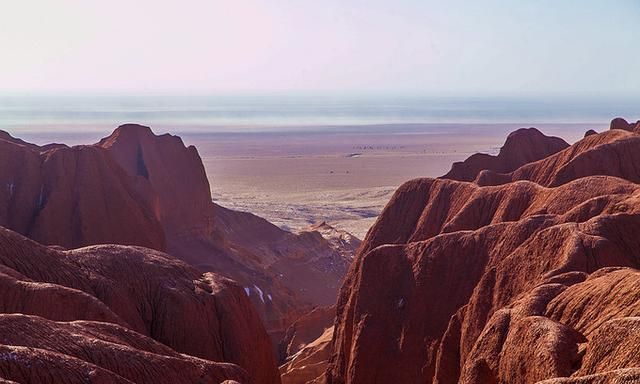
[586, 47]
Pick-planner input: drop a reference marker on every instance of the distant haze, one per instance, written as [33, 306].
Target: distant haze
[437, 48]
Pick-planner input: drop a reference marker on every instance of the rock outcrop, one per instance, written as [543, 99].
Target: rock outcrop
[612, 153]
[170, 175]
[341, 240]
[521, 147]
[307, 346]
[518, 277]
[125, 314]
[621, 123]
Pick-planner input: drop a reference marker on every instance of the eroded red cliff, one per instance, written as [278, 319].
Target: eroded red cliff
[530, 279]
[72, 197]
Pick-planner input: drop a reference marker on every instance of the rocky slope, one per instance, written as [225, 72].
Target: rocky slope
[518, 277]
[112, 313]
[284, 274]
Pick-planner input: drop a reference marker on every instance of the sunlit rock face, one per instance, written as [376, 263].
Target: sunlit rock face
[518, 277]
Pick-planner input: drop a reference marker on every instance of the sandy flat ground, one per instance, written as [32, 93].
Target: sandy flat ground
[342, 176]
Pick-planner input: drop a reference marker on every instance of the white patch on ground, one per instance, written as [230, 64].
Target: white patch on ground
[259, 292]
[247, 290]
[269, 297]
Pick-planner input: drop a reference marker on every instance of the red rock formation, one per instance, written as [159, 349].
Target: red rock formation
[307, 328]
[522, 146]
[145, 294]
[610, 153]
[136, 188]
[340, 240]
[458, 282]
[169, 175]
[285, 275]
[96, 351]
[131, 188]
[620, 376]
[590, 132]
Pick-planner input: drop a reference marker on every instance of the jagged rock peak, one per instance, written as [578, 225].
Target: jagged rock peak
[621, 123]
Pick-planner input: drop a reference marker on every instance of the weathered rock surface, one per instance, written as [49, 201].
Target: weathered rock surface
[516, 278]
[284, 274]
[341, 240]
[131, 296]
[44, 351]
[72, 197]
[306, 347]
[612, 153]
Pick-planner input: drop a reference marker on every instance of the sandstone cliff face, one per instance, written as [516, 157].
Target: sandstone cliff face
[530, 279]
[72, 197]
[123, 313]
[170, 175]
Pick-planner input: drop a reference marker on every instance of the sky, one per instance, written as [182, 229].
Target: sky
[482, 47]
